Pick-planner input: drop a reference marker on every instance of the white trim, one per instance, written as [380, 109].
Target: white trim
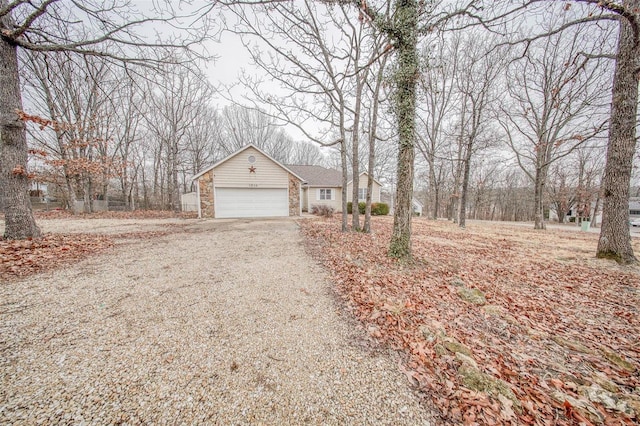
[213, 193]
[239, 152]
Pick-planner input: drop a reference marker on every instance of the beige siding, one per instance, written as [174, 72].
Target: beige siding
[375, 195]
[305, 199]
[235, 172]
[313, 195]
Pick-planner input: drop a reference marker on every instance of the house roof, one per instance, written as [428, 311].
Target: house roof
[318, 175]
[244, 148]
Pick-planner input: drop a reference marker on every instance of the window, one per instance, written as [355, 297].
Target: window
[362, 194]
[325, 194]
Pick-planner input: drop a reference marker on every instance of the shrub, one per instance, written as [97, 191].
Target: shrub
[322, 210]
[361, 207]
[379, 209]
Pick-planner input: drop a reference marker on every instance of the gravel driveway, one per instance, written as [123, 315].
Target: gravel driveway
[224, 322]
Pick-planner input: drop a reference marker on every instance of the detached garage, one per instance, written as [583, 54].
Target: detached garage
[248, 183]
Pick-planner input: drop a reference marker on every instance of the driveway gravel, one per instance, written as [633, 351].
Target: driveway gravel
[222, 322]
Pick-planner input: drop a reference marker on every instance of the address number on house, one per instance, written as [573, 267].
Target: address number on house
[253, 185]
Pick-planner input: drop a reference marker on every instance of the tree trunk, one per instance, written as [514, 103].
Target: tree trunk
[14, 184]
[594, 215]
[465, 186]
[345, 171]
[355, 170]
[538, 197]
[355, 138]
[406, 76]
[372, 142]
[435, 193]
[615, 237]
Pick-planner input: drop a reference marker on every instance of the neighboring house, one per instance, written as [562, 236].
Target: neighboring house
[323, 186]
[416, 205]
[572, 214]
[248, 183]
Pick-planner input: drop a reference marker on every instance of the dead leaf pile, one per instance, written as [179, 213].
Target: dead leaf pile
[20, 258]
[500, 325]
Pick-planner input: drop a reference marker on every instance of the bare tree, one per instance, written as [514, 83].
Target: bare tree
[556, 105]
[35, 26]
[437, 87]
[76, 94]
[175, 100]
[478, 72]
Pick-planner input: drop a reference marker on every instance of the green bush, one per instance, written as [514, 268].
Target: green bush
[377, 209]
[361, 207]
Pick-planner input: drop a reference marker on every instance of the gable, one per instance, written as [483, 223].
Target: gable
[258, 154]
[237, 171]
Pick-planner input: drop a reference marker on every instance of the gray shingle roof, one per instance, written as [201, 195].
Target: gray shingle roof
[318, 175]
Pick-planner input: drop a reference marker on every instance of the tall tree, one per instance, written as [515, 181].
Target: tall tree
[557, 105]
[438, 99]
[615, 238]
[480, 67]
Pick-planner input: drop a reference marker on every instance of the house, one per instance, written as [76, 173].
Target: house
[416, 206]
[323, 186]
[248, 183]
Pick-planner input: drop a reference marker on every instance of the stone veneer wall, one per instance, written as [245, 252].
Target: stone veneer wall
[294, 196]
[206, 195]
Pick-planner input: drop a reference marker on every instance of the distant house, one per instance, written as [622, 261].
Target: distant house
[323, 186]
[416, 205]
[572, 214]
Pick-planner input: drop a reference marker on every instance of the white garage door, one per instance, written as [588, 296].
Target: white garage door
[251, 202]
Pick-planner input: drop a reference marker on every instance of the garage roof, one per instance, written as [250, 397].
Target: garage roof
[244, 148]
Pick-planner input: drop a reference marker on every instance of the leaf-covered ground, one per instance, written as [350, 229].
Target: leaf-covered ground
[501, 325]
[20, 258]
